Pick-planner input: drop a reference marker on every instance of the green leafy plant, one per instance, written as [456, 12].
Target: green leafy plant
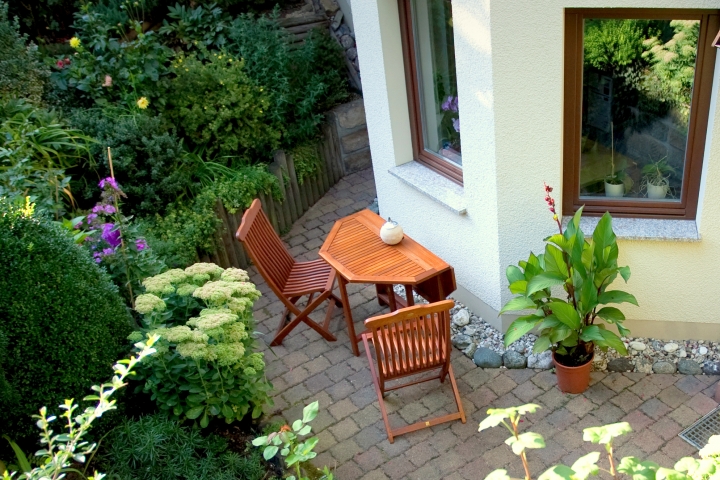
[205, 366]
[687, 468]
[36, 149]
[216, 106]
[189, 227]
[657, 173]
[59, 451]
[585, 268]
[297, 452]
[22, 73]
[302, 83]
[155, 447]
[148, 160]
[117, 64]
[188, 26]
[53, 299]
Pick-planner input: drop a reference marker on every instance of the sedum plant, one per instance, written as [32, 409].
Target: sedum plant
[296, 451]
[205, 365]
[585, 268]
[688, 468]
[61, 450]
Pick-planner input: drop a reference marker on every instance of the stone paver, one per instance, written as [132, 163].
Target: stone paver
[352, 437]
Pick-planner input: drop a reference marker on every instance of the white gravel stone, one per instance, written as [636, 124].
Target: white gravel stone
[702, 351]
[671, 347]
[638, 346]
[461, 318]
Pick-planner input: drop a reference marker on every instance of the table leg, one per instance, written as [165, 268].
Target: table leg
[391, 297]
[409, 295]
[342, 283]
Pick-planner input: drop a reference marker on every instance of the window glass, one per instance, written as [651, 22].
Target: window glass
[437, 83]
[637, 89]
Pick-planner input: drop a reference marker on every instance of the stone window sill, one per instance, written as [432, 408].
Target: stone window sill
[441, 189]
[664, 230]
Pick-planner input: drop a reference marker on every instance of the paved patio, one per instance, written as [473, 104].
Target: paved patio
[349, 425]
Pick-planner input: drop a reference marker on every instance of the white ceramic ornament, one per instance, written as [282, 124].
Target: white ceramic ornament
[391, 233]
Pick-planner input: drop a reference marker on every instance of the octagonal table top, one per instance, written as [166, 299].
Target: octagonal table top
[354, 248]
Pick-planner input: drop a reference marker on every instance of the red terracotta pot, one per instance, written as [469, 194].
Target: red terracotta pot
[573, 379]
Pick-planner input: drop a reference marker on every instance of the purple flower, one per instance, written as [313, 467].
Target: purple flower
[91, 217]
[98, 257]
[109, 181]
[140, 244]
[450, 104]
[456, 124]
[111, 235]
[108, 251]
[109, 209]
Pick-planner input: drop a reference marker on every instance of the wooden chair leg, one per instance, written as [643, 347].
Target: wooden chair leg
[457, 394]
[304, 317]
[381, 401]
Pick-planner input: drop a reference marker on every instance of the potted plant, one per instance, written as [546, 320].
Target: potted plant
[656, 178]
[572, 327]
[615, 181]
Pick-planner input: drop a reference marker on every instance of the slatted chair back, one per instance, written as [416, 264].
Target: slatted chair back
[412, 340]
[265, 248]
[409, 341]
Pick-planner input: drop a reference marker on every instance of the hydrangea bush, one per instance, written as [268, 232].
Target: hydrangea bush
[205, 365]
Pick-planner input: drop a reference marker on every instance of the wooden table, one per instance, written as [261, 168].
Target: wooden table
[354, 249]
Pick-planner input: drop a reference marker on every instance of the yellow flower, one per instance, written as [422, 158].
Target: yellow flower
[143, 103]
[74, 42]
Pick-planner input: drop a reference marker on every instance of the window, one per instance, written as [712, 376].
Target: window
[429, 52]
[637, 98]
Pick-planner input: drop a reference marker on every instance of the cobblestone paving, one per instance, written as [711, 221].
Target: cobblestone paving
[349, 425]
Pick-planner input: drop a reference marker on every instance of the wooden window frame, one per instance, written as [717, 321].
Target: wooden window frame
[436, 162]
[686, 208]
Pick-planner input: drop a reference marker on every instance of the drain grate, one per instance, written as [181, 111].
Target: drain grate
[700, 432]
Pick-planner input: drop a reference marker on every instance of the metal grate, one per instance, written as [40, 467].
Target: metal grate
[700, 432]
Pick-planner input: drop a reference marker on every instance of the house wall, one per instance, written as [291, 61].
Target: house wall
[509, 65]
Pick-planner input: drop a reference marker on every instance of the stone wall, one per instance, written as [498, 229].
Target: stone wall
[348, 120]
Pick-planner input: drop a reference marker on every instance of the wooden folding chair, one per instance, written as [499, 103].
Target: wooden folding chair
[411, 341]
[288, 279]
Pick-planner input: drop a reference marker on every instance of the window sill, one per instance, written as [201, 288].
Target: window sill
[441, 189]
[664, 230]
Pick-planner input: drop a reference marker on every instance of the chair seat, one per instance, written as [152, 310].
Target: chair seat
[308, 277]
[405, 360]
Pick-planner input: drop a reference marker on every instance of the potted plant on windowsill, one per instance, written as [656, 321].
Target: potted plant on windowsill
[572, 327]
[615, 181]
[656, 178]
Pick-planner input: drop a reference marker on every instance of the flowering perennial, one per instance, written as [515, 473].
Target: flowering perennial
[211, 352]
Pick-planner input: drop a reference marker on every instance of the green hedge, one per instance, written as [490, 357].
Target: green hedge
[64, 321]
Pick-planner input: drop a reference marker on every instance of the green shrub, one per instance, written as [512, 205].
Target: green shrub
[217, 107]
[22, 74]
[64, 320]
[303, 82]
[148, 159]
[157, 448]
[205, 366]
[189, 227]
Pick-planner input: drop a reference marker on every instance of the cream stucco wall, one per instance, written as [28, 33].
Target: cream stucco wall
[509, 66]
